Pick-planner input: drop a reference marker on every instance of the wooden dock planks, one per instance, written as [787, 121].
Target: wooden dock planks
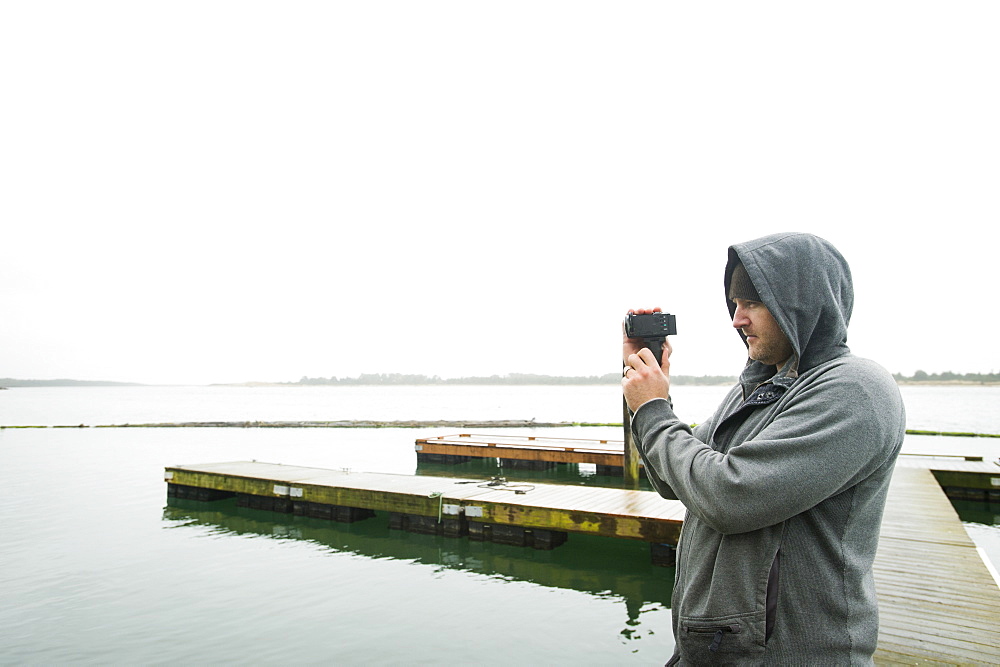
[525, 448]
[938, 602]
[640, 515]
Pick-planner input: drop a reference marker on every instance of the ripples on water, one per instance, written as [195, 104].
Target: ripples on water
[99, 568]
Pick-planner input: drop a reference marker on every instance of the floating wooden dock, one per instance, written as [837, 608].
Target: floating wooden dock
[525, 452]
[538, 515]
[961, 477]
[939, 599]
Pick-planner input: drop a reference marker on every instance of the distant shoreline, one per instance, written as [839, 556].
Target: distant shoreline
[908, 383]
[410, 423]
[507, 381]
[946, 383]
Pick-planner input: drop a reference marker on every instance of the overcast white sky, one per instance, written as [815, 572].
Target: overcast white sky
[204, 191]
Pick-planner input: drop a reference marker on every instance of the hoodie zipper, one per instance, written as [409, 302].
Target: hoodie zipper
[719, 630]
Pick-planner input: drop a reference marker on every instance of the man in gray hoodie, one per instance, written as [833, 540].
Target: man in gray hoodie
[786, 483]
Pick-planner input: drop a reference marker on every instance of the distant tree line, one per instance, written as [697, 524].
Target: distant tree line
[509, 379]
[515, 379]
[948, 376]
[608, 378]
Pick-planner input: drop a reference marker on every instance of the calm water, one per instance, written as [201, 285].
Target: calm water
[99, 568]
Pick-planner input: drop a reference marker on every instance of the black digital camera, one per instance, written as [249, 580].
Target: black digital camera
[652, 328]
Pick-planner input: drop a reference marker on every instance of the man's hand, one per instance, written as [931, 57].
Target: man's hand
[642, 379]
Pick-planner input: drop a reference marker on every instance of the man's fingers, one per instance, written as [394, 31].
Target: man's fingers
[648, 357]
[634, 360]
[642, 359]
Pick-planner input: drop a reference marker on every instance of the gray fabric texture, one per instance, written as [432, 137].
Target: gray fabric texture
[801, 469]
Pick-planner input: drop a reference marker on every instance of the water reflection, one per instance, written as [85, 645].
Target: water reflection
[973, 511]
[603, 567]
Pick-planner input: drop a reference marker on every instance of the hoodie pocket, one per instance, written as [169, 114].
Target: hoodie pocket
[713, 640]
[772, 597]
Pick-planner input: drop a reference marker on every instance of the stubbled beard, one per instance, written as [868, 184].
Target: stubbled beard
[768, 351]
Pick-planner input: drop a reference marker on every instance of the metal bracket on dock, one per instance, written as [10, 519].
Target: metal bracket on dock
[468, 510]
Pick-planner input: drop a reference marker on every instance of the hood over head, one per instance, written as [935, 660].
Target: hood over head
[806, 285]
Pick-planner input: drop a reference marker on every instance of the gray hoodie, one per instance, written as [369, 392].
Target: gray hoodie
[785, 484]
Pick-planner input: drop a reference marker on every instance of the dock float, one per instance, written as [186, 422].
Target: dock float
[523, 452]
[961, 477]
[535, 515]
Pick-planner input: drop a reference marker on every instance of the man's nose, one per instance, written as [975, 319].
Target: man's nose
[740, 320]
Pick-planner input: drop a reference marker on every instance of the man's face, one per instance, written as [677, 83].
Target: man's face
[765, 339]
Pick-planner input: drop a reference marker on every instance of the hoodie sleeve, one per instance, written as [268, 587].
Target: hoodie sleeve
[829, 434]
[675, 430]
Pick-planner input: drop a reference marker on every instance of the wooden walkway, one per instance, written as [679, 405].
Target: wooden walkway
[962, 478]
[641, 515]
[514, 448]
[944, 462]
[939, 603]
